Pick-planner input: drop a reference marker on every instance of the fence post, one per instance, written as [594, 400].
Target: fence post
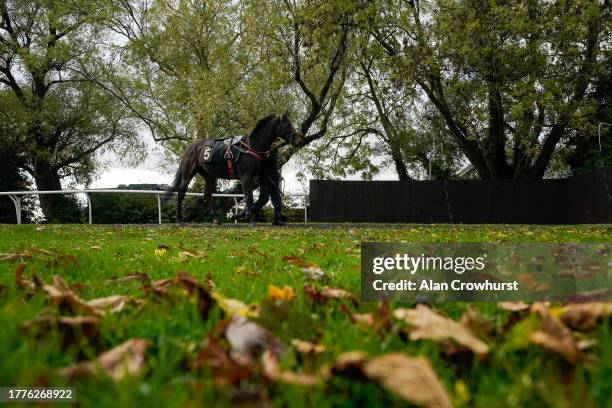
[235, 209]
[17, 201]
[89, 207]
[305, 208]
[158, 208]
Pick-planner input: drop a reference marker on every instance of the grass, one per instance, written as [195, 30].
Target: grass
[242, 263]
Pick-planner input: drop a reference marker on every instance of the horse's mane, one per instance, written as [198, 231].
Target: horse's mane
[262, 123]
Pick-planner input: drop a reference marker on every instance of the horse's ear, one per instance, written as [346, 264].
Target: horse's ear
[286, 114]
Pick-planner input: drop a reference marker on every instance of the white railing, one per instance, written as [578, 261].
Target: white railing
[15, 197]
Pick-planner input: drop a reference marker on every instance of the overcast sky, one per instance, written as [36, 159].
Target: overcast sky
[155, 171]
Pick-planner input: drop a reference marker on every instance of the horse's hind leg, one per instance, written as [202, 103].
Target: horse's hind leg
[209, 189]
[182, 191]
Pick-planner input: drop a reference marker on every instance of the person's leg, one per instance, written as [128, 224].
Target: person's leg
[262, 200]
[277, 204]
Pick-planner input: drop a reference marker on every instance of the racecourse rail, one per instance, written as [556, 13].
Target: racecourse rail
[15, 197]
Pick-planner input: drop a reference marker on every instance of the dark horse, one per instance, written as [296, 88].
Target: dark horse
[254, 148]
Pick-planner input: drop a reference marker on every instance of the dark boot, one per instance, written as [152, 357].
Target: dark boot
[277, 220]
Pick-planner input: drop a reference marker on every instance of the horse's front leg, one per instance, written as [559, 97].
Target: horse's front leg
[248, 185]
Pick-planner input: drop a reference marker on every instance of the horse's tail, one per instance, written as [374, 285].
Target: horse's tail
[174, 186]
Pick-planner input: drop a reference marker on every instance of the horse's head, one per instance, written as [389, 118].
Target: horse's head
[288, 132]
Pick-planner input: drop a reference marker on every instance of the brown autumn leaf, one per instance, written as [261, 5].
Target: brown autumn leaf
[60, 294]
[136, 276]
[112, 304]
[313, 272]
[306, 347]
[554, 335]
[20, 281]
[426, 324]
[216, 360]
[513, 306]
[412, 379]
[270, 368]
[585, 316]
[74, 330]
[205, 301]
[295, 260]
[248, 340]
[126, 359]
[478, 323]
[327, 293]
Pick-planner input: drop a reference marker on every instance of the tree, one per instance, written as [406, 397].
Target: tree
[212, 69]
[47, 51]
[510, 79]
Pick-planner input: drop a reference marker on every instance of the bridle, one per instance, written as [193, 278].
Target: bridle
[288, 138]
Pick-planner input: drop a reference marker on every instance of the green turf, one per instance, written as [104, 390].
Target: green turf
[243, 263]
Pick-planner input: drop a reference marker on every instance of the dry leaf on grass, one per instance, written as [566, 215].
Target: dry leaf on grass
[513, 306]
[306, 347]
[585, 316]
[412, 379]
[127, 359]
[137, 276]
[205, 301]
[248, 340]
[554, 335]
[223, 368]
[313, 272]
[112, 304]
[295, 260]
[327, 293]
[74, 330]
[284, 293]
[426, 324]
[269, 363]
[232, 307]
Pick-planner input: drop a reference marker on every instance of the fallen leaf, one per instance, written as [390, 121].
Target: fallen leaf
[294, 260]
[113, 304]
[313, 272]
[426, 324]
[554, 335]
[95, 248]
[412, 379]
[270, 368]
[513, 306]
[232, 307]
[306, 347]
[126, 359]
[205, 301]
[74, 330]
[248, 340]
[276, 293]
[585, 316]
[137, 276]
[327, 293]
[224, 369]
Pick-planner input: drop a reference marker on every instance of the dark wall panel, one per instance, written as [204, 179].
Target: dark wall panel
[586, 198]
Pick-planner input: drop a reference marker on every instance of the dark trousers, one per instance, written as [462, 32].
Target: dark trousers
[268, 191]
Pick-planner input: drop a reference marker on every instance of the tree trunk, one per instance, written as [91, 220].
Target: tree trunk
[55, 207]
[398, 159]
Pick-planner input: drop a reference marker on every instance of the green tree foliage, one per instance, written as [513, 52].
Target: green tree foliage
[47, 54]
[212, 69]
[510, 79]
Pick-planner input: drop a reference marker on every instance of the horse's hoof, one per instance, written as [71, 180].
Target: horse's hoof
[278, 223]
